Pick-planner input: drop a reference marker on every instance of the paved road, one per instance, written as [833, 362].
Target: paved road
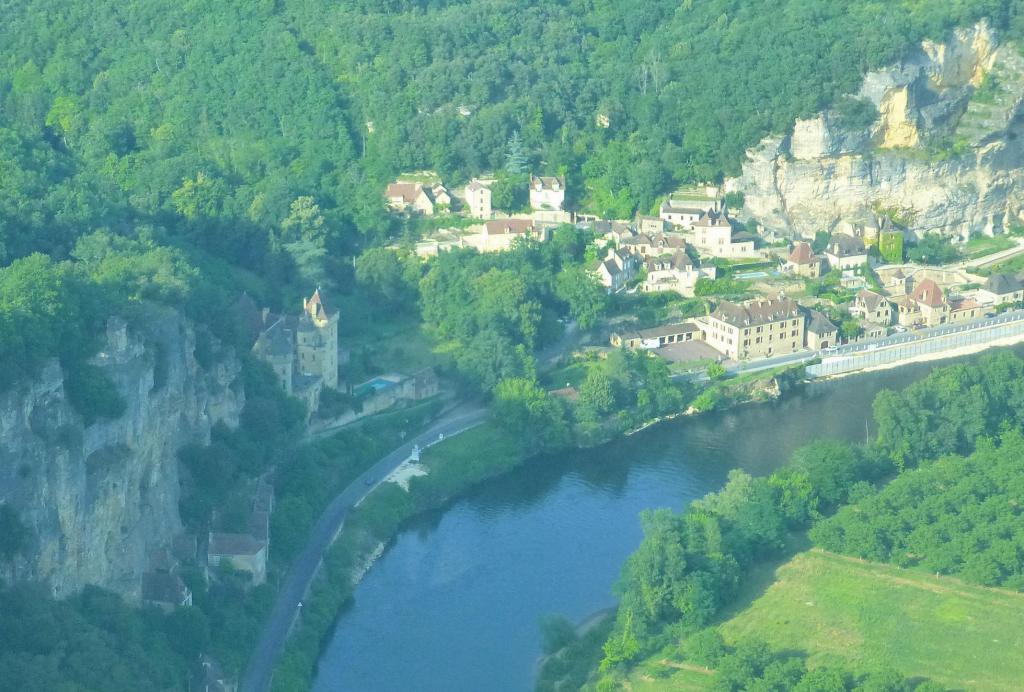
[304, 568]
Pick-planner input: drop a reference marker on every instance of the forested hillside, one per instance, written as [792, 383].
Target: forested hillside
[212, 121]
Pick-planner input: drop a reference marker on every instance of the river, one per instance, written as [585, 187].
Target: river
[454, 604]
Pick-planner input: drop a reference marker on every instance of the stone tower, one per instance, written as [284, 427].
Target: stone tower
[318, 340]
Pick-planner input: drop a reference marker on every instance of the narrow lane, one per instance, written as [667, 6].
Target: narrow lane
[258, 673]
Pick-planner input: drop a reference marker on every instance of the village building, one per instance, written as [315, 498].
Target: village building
[1000, 289]
[478, 199]
[803, 262]
[616, 270]
[898, 283]
[547, 192]
[714, 234]
[498, 235]
[870, 330]
[873, 307]
[165, 591]
[845, 252]
[240, 551]
[656, 337]
[686, 206]
[302, 350]
[417, 198]
[679, 216]
[821, 332]
[964, 309]
[674, 272]
[924, 306]
[612, 231]
[647, 245]
[754, 329]
[651, 225]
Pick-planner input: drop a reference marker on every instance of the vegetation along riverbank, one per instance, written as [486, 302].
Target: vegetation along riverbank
[708, 587]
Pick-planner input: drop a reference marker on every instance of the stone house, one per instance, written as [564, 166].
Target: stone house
[685, 207]
[674, 272]
[873, 307]
[803, 262]
[964, 309]
[680, 216]
[241, 551]
[714, 234]
[547, 192]
[302, 350]
[478, 199]
[755, 329]
[616, 270]
[925, 306]
[410, 197]
[498, 235]
[165, 591]
[1000, 289]
[821, 332]
[651, 225]
[845, 252]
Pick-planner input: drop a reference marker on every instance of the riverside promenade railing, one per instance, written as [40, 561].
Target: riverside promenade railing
[909, 345]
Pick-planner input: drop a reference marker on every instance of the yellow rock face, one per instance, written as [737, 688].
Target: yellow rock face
[896, 129]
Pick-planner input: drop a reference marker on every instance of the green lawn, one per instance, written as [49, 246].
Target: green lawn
[1011, 266]
[981, 245]
[868, 615]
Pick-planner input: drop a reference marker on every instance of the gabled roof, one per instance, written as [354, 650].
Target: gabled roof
[509, 226]
[928, 293]
[713, 219]
[160, 587]
[541, 182]
[819, 324]
[407, 192]
[801, 254]
[228, 544]
[843, 245]
[669, 208]
[870, 299]
[755, 312]
[1003, 284]
[275, 341]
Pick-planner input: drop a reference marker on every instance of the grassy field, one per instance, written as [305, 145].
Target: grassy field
[868, 615]
[863, 616]
[980, 245]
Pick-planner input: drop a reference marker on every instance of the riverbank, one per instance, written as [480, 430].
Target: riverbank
[451, 468]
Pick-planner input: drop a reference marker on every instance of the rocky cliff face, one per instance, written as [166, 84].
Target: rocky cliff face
[99, 499]
[944, 155]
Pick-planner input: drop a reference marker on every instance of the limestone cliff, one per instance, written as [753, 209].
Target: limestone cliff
[98, 499]
[944, 155]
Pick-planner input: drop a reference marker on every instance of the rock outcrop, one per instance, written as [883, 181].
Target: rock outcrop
[98, 499]
[943, 156]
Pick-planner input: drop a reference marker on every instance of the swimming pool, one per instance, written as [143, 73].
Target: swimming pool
[752, 275]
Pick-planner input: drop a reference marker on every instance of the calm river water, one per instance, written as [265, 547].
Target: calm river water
[454, 604]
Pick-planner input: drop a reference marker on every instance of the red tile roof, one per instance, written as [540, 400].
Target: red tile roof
[928, 293]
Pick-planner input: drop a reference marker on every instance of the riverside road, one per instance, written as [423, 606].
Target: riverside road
[258, 673]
